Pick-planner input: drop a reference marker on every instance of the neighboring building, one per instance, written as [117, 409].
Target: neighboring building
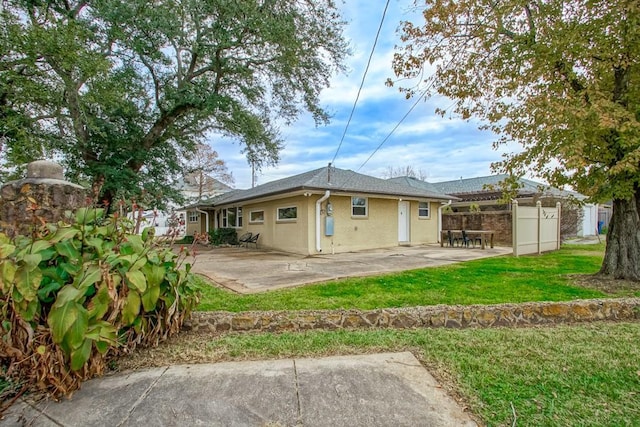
[326, 210]
[193, 186]
[484, 193]
[196, 186]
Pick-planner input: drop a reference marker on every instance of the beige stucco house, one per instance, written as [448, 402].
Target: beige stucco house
[327, 210]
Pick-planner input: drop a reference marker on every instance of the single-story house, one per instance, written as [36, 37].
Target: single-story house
[327, 210]
[484, 193]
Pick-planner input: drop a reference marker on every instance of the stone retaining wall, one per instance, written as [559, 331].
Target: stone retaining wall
[527, 314]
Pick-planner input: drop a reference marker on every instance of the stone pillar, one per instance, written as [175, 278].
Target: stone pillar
[43, 196]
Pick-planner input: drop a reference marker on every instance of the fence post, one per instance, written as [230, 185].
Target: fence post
[539, 225]
[559, 208]
[514, 226]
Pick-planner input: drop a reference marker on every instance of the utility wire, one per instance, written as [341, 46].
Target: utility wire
[415, 104]
[375, 42]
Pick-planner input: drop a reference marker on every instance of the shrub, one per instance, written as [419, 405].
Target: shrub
[186, 240]
[474, 208]
[221, 236]
[85, 292]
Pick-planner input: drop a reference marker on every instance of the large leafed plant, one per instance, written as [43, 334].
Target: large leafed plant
[83, 293]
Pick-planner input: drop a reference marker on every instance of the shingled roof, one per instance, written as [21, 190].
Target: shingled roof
[328, 178]
[467, 186]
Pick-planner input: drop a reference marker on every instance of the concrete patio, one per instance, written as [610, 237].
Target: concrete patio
[249, 270]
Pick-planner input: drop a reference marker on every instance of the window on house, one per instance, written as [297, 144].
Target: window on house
[232, 217]
[287, 214]
[423, 210]
[193, 216]
[256, 216]
[359, 206]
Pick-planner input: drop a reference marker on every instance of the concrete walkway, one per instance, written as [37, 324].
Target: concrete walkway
[248, 270]
[390, 389]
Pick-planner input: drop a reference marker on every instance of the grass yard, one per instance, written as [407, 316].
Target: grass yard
[570, 375]
[548, 277]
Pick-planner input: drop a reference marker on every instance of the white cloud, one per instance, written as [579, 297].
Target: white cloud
[445, 148]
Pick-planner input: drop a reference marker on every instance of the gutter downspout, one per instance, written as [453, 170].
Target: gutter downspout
[440, 219]
[318, 208]
[206, 221]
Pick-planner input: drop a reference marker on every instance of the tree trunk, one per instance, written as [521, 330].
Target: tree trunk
[622, 256]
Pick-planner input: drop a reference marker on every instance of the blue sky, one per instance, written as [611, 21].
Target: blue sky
[442, 148]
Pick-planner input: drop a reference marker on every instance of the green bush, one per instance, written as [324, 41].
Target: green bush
[186, 240]
[85, 292]
[222, 236]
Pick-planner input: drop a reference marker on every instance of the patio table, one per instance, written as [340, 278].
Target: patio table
[483, 234]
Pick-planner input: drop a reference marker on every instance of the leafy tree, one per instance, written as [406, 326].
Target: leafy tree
[560, 77]
[118, 89]
[410, 171]
[204, 167]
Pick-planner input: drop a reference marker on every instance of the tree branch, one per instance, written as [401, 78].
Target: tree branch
[156, 82]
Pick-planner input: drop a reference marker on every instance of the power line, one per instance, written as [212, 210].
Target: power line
[422, 95]
[394, 128]
[373, 48]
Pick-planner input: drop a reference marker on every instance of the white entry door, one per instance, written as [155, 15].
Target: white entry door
[403, 221]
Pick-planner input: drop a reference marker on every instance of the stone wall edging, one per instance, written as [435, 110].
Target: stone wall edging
[458, 316]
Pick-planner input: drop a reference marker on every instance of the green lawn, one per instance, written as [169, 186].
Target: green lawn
[585, 375]
[566, 375]
[486, 281]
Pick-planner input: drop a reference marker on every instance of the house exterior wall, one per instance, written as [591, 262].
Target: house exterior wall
[378, 229]
[194, 227]
[589, 220]
[424, 230]
[285, 235]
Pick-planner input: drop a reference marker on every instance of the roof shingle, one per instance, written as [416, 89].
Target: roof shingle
[333, 179]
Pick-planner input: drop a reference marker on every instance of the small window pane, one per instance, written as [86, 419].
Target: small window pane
[423, 209]
[287, 213]
[231, 217]
[358, 206]
[193, 216]
[256, 216]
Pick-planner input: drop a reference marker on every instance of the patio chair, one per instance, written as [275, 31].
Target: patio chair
[465, 240]
[451, 239]
[242, 240]
[253, 239]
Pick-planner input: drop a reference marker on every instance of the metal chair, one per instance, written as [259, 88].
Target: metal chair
[451, 239]
[242, 240]
[465, 240]
[253, 239]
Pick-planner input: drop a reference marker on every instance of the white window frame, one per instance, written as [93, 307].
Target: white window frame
[421, 209]
[238, 217]
[256, 221]
[354, 206]
[193, 216]
[280, 209]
